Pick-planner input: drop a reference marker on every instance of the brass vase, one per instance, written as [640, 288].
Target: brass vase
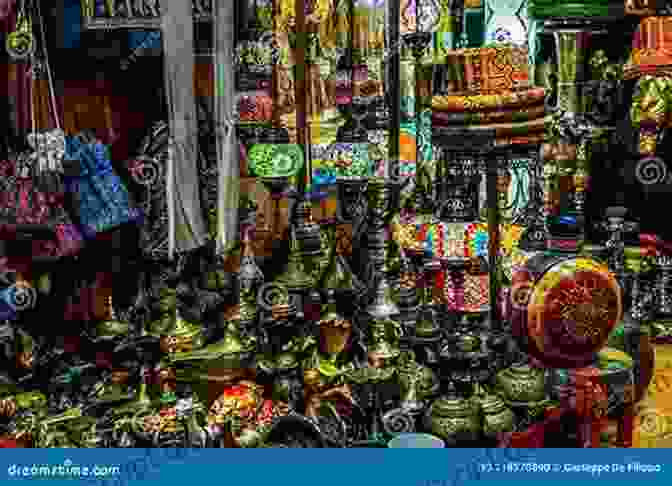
[335, 330]
[571, 50]
[384, 339]
[295, 277]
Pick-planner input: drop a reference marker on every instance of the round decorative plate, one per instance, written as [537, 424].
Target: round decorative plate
[260, 159]
[572, 309]
[275, 160]
[287, 161]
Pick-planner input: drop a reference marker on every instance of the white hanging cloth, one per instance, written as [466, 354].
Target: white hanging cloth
[228, 164]
[186, 223]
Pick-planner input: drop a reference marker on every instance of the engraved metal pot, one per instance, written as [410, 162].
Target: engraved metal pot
[454, 419]
[521, 384]
[497, 417]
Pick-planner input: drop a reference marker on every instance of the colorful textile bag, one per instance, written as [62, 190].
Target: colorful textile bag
[102, 200]
[32, 202]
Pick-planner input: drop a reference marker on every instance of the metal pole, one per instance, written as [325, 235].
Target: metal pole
[394, 85]
[301, 87]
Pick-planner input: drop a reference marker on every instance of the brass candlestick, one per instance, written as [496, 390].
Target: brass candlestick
[581, 177]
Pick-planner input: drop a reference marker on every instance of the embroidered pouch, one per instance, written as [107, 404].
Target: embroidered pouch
[34, 203]
[103, 202]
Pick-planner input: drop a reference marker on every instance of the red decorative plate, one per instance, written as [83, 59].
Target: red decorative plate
[569, 310]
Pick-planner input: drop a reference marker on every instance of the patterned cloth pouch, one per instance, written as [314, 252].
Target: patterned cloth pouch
[33, 199]
[103, 201]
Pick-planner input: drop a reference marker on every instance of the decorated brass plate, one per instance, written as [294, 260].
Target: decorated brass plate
[572, 309]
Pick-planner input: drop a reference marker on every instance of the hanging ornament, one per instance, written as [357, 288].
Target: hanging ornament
[20, 44]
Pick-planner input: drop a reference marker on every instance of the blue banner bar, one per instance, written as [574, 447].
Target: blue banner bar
[333, 467]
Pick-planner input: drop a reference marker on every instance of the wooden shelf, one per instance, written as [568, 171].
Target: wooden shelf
[120, 23]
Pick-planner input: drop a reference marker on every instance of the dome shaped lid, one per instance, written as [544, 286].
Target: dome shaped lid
[453, 405]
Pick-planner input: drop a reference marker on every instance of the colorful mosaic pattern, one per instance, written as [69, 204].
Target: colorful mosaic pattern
[474, 296]
[436, 240]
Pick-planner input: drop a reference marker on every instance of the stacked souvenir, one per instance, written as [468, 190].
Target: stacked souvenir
[496, 95]
[490, 85]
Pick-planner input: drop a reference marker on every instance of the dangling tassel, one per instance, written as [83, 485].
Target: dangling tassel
[228, 163]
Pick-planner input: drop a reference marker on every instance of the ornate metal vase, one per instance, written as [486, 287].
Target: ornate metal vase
[522, 384]
[497, 417]
[335, 330]
[571, 51]
[454, 419]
